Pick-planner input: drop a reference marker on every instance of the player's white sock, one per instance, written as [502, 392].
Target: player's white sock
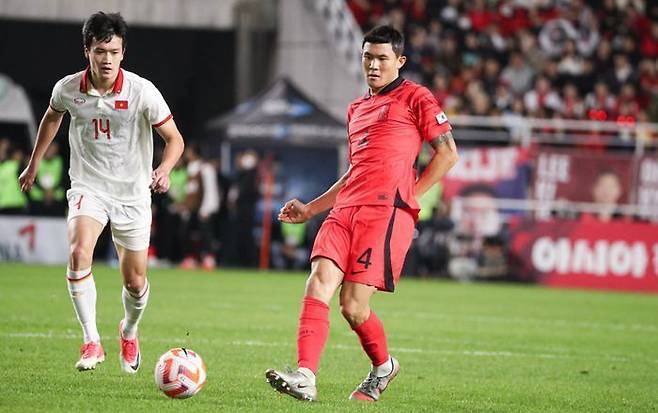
[384, 369]
[82, 290]
[134, 306]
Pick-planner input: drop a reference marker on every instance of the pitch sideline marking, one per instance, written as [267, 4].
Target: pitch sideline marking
[257, 343]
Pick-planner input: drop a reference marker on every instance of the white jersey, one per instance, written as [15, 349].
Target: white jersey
[110, 136]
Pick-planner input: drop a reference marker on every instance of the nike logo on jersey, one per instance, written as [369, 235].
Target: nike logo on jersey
[362, 143]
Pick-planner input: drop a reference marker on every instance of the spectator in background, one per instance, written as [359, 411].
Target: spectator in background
[528, 48]
[441, 88]
[643, 133]
[171, 217]
[602, 59]
[47, 194]
[649, 78]
[541, 98]
[572, 106]
[649, 42]
[601, 104]
[571, 64]
[290, 246]
[204, 196]
[416, 53]
[243, 197]
[518, 74]
[629, 97]
[490, 75]
[621, 72]
[12, 200]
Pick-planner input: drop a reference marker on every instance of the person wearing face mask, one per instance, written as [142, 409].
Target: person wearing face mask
[243, 195]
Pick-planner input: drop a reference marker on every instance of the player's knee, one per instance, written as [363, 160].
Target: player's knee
[355, 313]
[135, 284]
[80, 255]
[134, 277]
[319, 287]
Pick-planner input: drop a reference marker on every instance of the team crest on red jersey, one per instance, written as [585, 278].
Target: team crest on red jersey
[121, 104]
[383, 113]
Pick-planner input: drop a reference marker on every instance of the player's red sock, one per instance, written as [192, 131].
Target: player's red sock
[312, 332]
[373, 339]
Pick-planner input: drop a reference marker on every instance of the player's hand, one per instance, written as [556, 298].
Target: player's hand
[27, 177]
[160, 183]
[295, 212]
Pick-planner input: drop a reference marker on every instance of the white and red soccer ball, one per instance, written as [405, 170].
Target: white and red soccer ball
[180, 373]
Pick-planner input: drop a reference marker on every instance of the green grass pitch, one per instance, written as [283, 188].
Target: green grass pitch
[462, 347]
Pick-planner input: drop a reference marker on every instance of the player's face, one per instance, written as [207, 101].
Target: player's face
[105, 58]
[380, 65]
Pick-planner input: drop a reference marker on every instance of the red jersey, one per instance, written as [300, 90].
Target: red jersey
[385, 133]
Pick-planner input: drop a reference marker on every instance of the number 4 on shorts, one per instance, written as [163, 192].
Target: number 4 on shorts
[365, 258]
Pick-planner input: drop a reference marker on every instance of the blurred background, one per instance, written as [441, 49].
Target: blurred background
[554, 106]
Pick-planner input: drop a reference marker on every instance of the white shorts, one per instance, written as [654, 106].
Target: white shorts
[130, 224]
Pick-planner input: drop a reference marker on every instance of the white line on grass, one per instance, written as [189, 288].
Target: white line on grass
[257, 343]
[643, 328]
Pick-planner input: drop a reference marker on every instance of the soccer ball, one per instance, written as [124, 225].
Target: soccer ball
[180, 373]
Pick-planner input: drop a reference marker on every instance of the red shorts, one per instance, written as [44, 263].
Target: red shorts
[368, 243]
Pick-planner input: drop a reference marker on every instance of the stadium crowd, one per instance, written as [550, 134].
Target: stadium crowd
[594, 60]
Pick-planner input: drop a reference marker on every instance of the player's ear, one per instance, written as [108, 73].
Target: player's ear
[401, 61]
[86, 52]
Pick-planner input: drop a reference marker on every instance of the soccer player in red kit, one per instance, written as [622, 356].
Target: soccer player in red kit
[362, 244]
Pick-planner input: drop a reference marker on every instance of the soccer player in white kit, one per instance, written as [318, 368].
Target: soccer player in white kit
[112, 114]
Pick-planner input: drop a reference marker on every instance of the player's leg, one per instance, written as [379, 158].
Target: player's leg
[312, 331]
[131, 232]
[381, 239]
[134, 295]
[355, 307]
[83, 232]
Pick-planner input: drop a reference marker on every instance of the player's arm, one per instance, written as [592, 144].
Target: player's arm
[48, 128]
[295, 211]
[445, 157]
[173, 150]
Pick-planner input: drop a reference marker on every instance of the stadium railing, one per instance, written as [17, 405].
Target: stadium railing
[564, 132]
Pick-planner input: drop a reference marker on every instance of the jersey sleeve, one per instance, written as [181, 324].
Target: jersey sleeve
[56, 102]
[430, 118]
[350, 110]
[156, 109]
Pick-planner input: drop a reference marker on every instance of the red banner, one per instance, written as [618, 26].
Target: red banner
[602, 255]
[504, 170]
[646, 187]
[573, 176]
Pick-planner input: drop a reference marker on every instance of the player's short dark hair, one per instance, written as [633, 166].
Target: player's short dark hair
[385, 34]
[102, 26]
